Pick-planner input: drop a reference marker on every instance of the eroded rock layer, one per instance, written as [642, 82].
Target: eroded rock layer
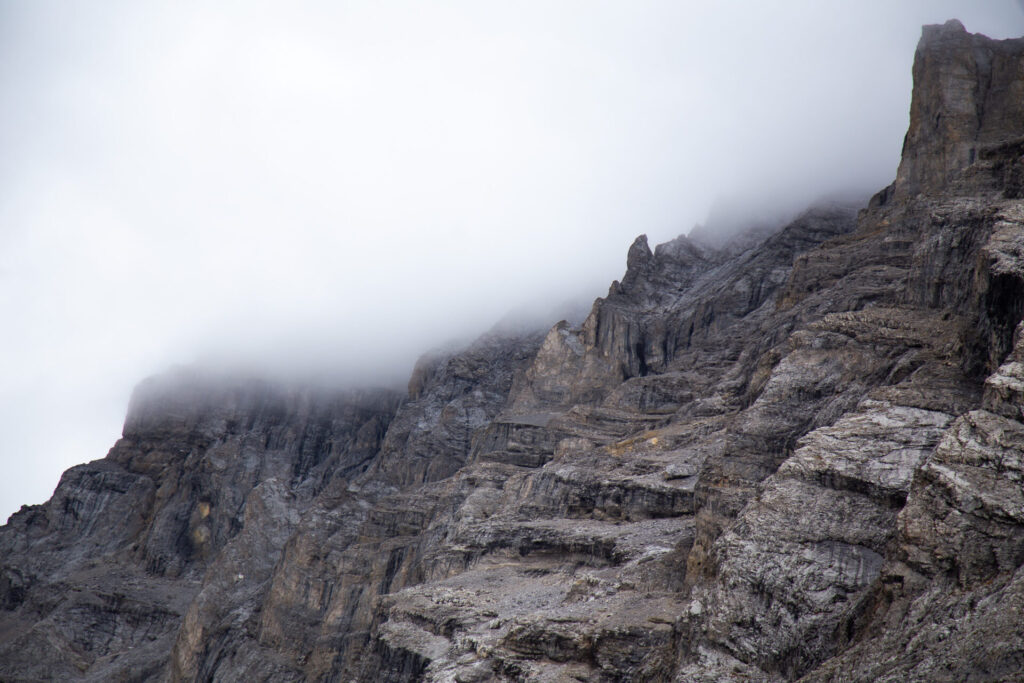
[794, 456]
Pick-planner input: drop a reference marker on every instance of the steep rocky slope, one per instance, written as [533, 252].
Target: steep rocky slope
[796, 456]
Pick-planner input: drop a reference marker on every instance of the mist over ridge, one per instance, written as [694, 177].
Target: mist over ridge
[331, 192]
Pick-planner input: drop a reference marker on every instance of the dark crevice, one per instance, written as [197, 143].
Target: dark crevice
[1004, 306]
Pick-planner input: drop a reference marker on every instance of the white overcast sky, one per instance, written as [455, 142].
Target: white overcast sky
[341, 185]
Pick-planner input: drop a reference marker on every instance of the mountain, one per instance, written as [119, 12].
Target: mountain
[795, 456]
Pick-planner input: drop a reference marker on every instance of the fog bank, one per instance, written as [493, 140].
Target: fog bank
[333, 188]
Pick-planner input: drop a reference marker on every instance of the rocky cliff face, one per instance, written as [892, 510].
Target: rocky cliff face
[968, 92]
[797, 456]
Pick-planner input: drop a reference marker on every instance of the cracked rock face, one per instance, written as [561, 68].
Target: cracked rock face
[100, 582]
[795, 456]
[968, 96]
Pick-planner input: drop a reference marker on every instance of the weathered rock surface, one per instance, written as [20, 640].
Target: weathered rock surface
[968, 96]
[96, 582]
[798, 455]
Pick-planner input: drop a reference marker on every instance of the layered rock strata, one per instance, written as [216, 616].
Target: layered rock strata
[795, 456]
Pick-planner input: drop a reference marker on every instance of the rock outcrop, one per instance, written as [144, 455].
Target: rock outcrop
[97, 582]
[797, 455]
[968, 99]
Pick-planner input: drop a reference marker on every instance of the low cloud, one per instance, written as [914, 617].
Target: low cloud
[338, 187]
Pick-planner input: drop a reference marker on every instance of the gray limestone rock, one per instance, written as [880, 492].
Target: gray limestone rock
[795, 455]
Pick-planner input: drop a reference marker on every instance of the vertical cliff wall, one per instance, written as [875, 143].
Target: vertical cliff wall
[793, 457]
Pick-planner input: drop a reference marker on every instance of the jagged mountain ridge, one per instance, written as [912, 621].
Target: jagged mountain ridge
[801, 460]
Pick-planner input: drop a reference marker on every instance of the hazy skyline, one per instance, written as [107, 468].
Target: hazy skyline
[342, 186]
